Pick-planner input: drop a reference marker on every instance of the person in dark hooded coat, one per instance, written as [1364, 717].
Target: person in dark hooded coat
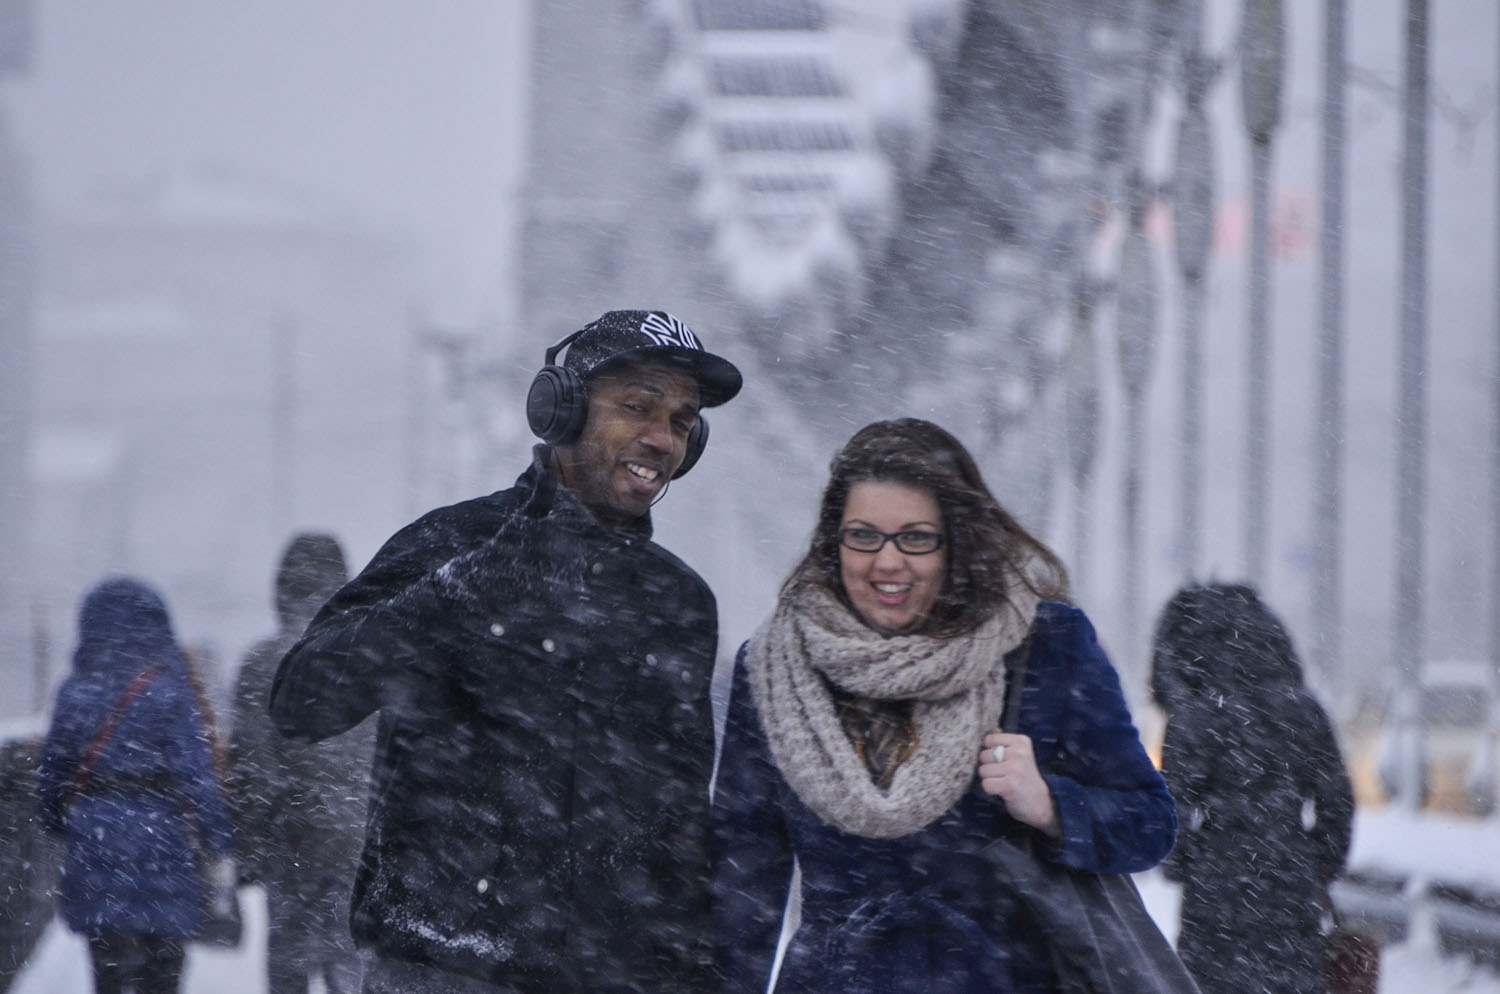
[1263, 796]
[300, 807]
[127, 778]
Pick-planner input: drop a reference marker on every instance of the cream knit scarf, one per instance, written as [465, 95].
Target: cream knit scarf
[957, 684]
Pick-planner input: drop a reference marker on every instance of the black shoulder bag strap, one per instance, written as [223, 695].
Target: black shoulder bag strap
[1015, 675]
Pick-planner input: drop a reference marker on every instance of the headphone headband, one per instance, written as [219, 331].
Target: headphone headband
[550, 357]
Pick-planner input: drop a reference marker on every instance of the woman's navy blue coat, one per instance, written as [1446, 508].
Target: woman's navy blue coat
[131, 834]
[923, 912]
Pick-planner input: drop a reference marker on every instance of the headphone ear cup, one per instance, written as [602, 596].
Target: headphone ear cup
[556, 405]
[697, 441]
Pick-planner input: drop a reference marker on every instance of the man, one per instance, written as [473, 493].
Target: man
[299, 809]
[539, 800]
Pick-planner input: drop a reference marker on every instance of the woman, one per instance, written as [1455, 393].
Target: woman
[127, 777]
[1261, 789]
[861, 740]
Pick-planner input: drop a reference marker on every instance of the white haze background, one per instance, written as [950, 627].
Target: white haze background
[411, 120]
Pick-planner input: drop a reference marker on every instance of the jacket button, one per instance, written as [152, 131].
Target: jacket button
[482, 886]
[548, 645]
[650, 659]
[597, 568]
[497, 629]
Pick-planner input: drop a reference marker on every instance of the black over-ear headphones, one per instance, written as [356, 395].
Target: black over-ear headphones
[557, 405]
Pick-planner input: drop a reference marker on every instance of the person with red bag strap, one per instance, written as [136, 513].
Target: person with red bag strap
[127, 779]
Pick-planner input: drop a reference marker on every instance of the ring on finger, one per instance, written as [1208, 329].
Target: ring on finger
[997, 754]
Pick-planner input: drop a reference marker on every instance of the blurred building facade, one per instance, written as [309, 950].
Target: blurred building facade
[218, 363]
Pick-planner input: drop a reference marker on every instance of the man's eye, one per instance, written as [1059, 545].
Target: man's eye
[682, 427]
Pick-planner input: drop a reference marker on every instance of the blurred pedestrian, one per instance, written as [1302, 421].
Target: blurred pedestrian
[1263, 797]
[127, 777]
[299, 807]
[542, 671]
[863, 741]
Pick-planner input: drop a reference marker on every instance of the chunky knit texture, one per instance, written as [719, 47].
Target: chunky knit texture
[957, 686]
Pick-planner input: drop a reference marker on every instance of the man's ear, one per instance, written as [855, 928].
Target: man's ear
[697, 441]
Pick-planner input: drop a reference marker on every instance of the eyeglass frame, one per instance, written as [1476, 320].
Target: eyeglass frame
[893, 537]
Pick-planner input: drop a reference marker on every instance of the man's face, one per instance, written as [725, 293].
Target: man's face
[633, 441]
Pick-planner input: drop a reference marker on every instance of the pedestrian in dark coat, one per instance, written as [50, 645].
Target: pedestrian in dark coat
[1262, 794]
[127, 777]
[300, 807]
[541, 668]
[862, 736]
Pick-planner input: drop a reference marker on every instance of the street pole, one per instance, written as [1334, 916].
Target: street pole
[1081, 403]
[283, 424]
[1327, 517]
[1412, 411]
[1490, 784]
[1136, 317]
[1193, 224]
[16, 378]
[1261, 61]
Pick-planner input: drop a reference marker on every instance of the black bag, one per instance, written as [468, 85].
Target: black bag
[1353, 963]
[1103, 941]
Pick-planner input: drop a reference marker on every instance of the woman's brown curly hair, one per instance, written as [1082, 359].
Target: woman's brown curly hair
[986, 544]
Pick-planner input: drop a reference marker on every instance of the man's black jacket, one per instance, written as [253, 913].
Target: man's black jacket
[539, 802]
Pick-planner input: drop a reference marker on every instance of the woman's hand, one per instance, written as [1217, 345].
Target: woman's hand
[1017, 781]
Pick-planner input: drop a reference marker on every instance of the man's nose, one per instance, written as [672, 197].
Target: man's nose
[658, 435]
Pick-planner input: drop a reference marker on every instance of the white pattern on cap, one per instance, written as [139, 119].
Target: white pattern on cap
[664, 329]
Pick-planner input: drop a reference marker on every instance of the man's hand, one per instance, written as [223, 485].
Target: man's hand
[1015, 779]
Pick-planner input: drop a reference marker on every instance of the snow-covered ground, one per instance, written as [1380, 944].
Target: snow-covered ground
[60, 965]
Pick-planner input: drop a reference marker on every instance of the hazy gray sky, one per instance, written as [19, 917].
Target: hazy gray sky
[408, 113]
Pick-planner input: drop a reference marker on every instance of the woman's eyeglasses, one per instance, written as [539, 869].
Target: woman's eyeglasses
[913, 543]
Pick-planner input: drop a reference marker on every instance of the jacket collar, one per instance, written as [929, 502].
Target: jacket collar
[548, 498]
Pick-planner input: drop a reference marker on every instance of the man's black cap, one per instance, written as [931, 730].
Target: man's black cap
[652, 336]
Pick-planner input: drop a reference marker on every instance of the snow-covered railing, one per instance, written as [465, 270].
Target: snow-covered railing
[1426, 878]
[1467, 921]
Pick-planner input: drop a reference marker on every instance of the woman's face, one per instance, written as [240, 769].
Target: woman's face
[892, 590]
